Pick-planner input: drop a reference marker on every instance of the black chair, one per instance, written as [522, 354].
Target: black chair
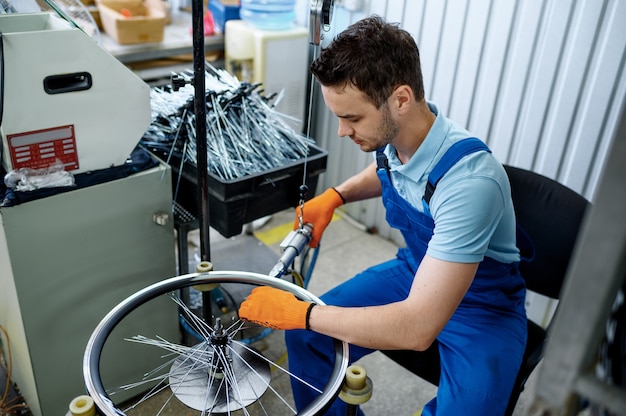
[550, 215]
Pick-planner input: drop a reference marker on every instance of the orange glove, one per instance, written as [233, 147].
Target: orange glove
[276, 309]
[318, 212]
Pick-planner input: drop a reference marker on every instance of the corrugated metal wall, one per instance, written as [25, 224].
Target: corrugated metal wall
[542, 82]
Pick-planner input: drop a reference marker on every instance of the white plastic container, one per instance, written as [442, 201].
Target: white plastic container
[268, 14]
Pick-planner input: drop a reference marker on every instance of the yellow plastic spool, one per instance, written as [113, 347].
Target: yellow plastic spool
[82, 406]
[205, 267]
[357, 387]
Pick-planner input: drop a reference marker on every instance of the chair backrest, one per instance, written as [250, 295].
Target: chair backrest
[550, 214]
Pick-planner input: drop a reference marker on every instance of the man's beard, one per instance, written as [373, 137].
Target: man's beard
[387, 130]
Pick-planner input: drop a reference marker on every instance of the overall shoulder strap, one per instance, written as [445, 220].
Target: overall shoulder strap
[381, 159]
[457, 151]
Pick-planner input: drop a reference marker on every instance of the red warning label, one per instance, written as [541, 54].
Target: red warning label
[41, 148]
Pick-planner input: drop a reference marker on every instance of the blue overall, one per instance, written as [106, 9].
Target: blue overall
[480, 348]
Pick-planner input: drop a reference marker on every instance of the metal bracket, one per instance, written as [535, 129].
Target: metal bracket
[320, 16]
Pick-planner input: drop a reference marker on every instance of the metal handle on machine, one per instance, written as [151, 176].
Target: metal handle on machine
[63, 83]
[295, 242]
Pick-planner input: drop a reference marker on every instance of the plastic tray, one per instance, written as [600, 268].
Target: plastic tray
[233, 203]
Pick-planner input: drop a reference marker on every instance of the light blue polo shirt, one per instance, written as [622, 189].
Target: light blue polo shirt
[471, 207]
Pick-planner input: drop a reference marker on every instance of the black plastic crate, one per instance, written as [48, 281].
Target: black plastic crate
[233, 203]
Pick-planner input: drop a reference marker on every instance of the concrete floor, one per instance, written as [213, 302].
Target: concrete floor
[345, 250]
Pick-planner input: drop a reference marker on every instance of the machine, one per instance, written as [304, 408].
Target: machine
[66, 259]
[83, 108]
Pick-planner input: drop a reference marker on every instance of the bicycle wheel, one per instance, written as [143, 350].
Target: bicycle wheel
[219, 374]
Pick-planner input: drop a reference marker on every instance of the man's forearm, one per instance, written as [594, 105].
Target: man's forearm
[363, 185]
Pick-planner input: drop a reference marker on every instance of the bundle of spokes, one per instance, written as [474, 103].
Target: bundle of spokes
[219, 375]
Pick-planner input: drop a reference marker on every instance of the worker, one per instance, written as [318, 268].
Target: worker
[455, 289]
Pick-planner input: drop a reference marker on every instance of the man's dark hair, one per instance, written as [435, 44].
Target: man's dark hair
[374, 56]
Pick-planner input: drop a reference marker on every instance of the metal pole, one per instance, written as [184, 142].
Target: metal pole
[197, 16]
[352, 410]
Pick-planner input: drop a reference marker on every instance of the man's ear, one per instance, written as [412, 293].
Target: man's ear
[402, 98]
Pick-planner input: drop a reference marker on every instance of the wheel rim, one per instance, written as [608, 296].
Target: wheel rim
[93, 350]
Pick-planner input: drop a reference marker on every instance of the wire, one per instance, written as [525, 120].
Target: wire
[8, 369]
[297, 278]
[9, 407]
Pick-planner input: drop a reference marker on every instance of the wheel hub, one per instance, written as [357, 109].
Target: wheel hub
[219, 375]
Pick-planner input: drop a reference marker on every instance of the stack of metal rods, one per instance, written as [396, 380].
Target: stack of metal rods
[245, 134]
